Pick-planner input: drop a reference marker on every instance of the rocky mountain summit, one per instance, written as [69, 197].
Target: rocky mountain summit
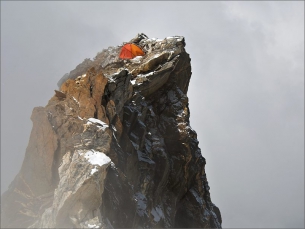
[114, 148]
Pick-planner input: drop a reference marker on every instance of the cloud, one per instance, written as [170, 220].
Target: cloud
[246, 92]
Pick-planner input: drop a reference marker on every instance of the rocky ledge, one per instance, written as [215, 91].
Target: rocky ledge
[114, 148]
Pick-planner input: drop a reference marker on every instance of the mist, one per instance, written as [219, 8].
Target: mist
[246, 94]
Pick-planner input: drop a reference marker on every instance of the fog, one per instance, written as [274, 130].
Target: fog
[246, 93]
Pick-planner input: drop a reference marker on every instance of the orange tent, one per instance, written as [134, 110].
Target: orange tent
[130, 51]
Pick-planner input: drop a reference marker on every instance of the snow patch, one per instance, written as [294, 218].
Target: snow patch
[94, 120]
[101, 124]
[145, 75]
[93, 170]
[137, 59]
[92, 225]
[112, 165]
[141, 78]
[97, 158]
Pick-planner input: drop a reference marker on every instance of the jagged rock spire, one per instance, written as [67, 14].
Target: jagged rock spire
[114, 148]
[138, 38]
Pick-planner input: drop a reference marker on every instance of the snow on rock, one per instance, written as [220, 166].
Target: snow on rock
[141, 203]
[141, 78]
[111, 80]
[197, 197]
[153, 39]
[113, 128]
[92, 225]
[137, 59]
[75, 100]
[97, 158]
[100, 123]
[145, 75]
[157, 213]
[94, 170]
[94, 120]
[156, 56]
[112, 165]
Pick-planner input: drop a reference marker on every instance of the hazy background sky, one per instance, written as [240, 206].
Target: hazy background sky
[246, 92]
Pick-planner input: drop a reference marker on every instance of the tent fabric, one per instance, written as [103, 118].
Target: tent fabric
[130, 51]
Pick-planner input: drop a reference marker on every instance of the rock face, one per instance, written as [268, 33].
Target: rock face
[114, 148]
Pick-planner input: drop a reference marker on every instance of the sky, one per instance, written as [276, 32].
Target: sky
[246, 94]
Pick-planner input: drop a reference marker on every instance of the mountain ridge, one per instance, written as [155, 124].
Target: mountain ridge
[114, 148]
